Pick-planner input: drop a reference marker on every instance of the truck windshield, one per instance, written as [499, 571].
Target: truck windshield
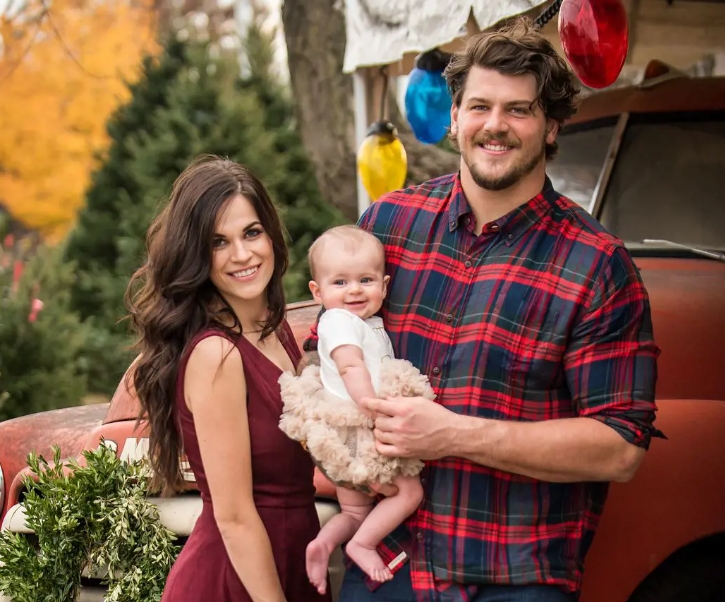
[668, 180]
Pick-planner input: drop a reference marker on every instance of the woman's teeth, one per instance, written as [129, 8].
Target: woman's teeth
[243, 273]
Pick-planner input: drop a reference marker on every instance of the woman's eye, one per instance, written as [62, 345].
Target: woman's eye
[253, 233]
[217, 242]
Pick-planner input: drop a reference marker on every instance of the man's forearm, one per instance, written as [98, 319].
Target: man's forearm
[565, 450]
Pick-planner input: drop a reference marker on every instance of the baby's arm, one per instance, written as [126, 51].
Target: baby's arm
[351, 366]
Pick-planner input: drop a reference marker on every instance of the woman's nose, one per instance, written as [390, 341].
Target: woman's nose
[241, 251]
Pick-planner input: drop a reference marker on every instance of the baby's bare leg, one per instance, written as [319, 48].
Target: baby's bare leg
[354, 506]
[388, 514]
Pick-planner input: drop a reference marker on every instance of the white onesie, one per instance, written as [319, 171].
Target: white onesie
[339, 327]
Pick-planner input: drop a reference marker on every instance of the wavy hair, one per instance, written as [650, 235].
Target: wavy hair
[518, 48]
[171, 298]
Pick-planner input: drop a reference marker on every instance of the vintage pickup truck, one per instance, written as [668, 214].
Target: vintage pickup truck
[649, 162]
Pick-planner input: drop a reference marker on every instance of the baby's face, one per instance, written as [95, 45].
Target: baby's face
[352, 281]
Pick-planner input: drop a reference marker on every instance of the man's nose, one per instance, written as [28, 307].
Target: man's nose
[496, 121]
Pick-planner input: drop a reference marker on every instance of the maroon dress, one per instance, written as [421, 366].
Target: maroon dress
[282, 487]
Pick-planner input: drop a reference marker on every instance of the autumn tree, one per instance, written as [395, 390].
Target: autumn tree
[64, 66]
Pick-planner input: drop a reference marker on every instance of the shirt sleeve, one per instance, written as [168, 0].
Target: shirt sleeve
[611, 361]
[339, 327]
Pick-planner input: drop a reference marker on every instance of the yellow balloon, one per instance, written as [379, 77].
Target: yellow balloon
[381, 160]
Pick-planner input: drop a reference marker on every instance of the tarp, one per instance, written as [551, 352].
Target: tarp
[380, 32]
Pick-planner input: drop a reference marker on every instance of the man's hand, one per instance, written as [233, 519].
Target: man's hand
[411, 427]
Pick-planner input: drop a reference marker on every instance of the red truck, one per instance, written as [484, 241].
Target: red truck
[648, 161]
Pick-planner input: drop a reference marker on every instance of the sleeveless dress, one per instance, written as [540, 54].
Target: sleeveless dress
[282, 487]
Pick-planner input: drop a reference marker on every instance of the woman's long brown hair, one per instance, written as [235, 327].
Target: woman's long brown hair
[171, 298]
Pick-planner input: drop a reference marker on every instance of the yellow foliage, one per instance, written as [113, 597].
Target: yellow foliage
[63, 70]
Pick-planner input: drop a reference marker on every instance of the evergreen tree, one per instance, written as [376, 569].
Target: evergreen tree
[292, 183]
[42, 343]
[191, 100]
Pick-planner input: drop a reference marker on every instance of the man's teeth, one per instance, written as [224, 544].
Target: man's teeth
[243, 273]
[496, 147]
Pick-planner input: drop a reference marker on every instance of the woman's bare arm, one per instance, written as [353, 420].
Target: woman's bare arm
[216, 394]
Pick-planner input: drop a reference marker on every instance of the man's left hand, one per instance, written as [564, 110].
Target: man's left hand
[411, 427]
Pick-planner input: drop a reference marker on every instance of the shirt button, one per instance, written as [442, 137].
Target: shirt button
[436, 370]
[468, 264]
[510, 236]
[419, 536]
[449, 318]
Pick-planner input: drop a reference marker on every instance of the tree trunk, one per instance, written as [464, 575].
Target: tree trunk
[315, 37]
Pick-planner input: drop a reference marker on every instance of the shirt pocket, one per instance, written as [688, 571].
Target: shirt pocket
[534, 370]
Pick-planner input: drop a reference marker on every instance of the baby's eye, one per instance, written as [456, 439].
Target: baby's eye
[366, 280]
[339, 282]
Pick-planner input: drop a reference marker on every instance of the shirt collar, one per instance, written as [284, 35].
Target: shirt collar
[512, 225]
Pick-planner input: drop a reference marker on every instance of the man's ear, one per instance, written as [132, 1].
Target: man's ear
[552, 130]
[315, 290]
[454, 120]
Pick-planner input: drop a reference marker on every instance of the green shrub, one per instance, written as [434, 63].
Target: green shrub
[42, 348]
[87, 517]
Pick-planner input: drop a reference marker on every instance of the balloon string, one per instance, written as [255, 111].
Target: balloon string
[548, 13]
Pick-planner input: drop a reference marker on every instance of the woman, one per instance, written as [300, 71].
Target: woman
[209, 308]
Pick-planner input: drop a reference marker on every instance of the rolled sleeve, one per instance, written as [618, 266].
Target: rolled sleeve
[611, 362]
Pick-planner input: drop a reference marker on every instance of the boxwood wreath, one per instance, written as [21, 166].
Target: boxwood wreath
[88, 517]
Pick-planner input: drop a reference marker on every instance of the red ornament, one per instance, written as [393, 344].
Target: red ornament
[595, 38]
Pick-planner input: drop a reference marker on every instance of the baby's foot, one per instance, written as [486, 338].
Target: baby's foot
[317, 559]
[369, 561]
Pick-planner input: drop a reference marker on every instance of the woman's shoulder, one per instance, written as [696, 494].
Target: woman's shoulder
[209, 345]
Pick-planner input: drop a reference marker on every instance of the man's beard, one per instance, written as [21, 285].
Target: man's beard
[516, 173]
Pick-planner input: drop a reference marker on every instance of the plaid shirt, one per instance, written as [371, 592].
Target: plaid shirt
[542, 316]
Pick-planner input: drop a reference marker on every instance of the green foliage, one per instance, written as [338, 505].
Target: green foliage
[190, 101]
[87, 516]
[43, 352]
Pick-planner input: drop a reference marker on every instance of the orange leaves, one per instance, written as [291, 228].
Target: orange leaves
[63, 69]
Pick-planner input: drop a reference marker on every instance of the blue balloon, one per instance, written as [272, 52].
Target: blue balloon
[428, 105]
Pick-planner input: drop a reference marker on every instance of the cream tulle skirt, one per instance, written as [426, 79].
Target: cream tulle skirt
[338, 436]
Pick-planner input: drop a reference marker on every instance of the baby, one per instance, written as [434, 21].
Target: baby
[322, 405]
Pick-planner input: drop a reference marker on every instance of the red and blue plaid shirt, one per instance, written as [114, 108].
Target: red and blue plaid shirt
[542, 316]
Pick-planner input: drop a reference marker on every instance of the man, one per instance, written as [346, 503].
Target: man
[534, 327]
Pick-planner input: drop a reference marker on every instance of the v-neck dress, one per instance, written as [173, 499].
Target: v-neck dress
[282, 475]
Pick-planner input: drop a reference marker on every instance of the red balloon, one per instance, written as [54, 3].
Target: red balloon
[595, 38]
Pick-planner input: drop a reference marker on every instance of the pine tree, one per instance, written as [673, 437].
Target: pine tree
[191, 100]
[43, 345]
[292, 183]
